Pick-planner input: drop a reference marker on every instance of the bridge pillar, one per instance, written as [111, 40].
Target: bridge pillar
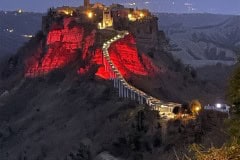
[131, 94]
[115, 82]
[123, 91]
[122, 88]
[119, 89]
[141, 100]
[126, 92]
[138, 98]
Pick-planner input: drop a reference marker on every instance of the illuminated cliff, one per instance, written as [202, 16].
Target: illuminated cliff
[68, 43]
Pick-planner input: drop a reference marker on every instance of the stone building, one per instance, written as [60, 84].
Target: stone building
[86, 3]
[107, 18]
[146, 32]
[139, 22]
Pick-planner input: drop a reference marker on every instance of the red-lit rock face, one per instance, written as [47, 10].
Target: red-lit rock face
[125, 56]
[63, 43]
[98, 59]
[151, 68]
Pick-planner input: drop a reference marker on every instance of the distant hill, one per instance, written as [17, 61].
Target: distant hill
[196, 39]
[13, 27]
[202, 39]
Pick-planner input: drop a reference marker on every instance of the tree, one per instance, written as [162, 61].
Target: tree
[226, 152]
[195, 106]
[234, 90]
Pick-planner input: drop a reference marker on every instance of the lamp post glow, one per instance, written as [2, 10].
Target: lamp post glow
[90, 15]
[20, 11]
[218, 105]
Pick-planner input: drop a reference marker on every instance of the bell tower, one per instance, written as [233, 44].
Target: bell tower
[86, 3]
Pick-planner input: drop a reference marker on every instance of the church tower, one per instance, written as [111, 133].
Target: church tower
[86, 3]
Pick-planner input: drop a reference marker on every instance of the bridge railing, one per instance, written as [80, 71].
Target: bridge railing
[125, 90]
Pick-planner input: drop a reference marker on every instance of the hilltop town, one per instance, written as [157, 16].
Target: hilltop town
[97, 82]
[140, 22]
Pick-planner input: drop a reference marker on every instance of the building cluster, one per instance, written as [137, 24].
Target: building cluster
[103, 16]
[218, 107]
[140, 22]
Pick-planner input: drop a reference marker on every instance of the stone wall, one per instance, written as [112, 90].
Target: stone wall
[146, 32]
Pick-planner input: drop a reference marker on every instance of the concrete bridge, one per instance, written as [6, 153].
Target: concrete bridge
[126, 90]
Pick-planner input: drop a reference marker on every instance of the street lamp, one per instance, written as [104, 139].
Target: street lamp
[89, 14]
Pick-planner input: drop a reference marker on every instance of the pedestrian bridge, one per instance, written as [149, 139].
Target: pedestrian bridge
[127, 91]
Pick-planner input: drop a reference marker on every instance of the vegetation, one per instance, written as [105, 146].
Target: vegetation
[231, 150]
[195, 107]
[83, 153]
[234, 90]
[234, 128]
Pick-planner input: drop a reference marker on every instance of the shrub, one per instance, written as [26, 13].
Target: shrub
[234, 90]
[229, 151]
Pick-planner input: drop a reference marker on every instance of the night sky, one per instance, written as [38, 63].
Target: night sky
[176, 6]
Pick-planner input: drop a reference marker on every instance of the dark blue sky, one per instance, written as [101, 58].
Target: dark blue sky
[179, 6]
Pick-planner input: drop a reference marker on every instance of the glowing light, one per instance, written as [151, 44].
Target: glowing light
[218, 105]
[132, 4]
[66, 12]
[90, 14]
[130, 16]
[27, 35]
[10, 30]
[141, 15]
[197, 109]
[99, 25]
[20, 11]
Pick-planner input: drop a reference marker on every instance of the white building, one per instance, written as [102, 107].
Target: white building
[218, 107]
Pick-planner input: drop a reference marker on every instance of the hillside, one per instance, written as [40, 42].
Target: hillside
[57, 102]
[58, 117]
[202, 39]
